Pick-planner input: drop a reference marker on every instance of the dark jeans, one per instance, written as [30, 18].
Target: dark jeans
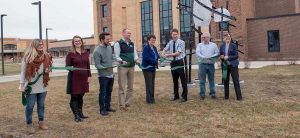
[234, 71]
[208, 69]
[40, 99]
[150, 84]
[176, 74]
[106, 87]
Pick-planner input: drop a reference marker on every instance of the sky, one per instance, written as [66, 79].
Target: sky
[66, 17]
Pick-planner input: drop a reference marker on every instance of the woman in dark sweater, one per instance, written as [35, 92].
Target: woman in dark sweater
[150, 63]
[78, 80]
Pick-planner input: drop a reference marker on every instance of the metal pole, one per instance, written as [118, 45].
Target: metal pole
[190, 59]
[221, 24]
[2, 15]
[191, 48]
[40, 20]
[47, 38]
[222, 83]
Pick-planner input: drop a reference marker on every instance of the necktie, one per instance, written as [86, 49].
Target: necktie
[174, 57]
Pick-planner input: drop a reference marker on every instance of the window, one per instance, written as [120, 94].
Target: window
[105, 29]
[185, 23]
[273, 41]
[9, 47]
[147, 20]
[166, 22]
[185, 18]
[104, 10]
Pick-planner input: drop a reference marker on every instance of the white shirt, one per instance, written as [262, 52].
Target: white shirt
[207, 50]
[179, 47]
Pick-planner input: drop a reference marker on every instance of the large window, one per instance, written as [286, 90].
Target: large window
[147, 19]
[166, 22]
[273, 41]
[104, 10]
[186, 22]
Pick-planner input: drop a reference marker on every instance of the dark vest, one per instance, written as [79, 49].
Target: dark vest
[127, 53]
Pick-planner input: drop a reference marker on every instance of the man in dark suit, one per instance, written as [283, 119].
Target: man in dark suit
[229, 56]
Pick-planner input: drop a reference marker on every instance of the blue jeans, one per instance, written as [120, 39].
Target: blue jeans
[40, 99]
[208, 69]
[106, 87]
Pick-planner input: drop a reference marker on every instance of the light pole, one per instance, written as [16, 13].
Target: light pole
[47, 37]
[2, 15]
[40, 17]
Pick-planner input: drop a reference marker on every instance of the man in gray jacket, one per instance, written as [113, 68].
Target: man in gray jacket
[103, 58]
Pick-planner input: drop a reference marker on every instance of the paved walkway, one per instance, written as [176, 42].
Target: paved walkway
[59, 63]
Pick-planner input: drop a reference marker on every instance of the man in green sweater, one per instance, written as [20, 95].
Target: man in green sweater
[103, 58]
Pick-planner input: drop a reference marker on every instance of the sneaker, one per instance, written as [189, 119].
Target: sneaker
[213, 97]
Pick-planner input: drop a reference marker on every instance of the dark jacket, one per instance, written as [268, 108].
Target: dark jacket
[233, 53]
[149, 58]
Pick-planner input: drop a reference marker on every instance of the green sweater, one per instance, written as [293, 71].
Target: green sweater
[103, 58]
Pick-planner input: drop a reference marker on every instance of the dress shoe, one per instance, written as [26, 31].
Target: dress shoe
[104, 113]
[111, 110]
[174, 99]
[183, 100]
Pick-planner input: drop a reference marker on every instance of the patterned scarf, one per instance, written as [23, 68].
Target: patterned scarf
[33, 67]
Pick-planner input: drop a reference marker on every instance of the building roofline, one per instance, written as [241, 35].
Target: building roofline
[271, 17]
[92, 37]
[23, 39]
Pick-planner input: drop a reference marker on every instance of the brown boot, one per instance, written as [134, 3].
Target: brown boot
[42, 125]
[30, 129]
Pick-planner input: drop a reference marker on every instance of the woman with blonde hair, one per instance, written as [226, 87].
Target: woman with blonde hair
[78, 80]
[34, 80]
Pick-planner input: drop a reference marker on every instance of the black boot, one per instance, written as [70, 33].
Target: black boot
[80, 104]
[74, 107]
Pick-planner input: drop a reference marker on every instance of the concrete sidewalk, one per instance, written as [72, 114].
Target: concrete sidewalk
[55, 73]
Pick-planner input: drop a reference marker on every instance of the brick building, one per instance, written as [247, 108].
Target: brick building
[60, 48]
[15, 48]
[142, 17]
[267, 29]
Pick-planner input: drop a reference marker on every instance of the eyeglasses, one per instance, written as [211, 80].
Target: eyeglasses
[40, 45]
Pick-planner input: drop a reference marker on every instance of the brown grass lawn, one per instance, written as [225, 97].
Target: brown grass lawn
[271, 108]
[11, 68]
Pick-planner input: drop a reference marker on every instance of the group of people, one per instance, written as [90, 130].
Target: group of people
[37, 63]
